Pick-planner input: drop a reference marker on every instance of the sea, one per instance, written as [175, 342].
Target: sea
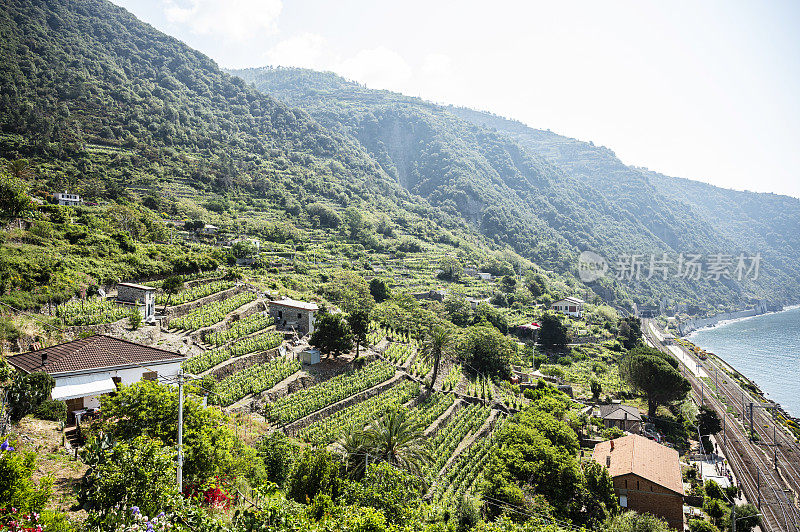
[765, 349]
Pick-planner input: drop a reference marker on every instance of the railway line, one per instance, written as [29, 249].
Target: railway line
[773, 490]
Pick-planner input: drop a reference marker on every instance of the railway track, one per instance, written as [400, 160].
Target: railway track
[775, 490]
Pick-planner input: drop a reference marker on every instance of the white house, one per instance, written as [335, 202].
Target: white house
[571, 306]
[88, 368]
[140, 296]
[66, 198]
[292, 314]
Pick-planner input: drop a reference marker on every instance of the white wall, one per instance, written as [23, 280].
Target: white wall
[127, 375]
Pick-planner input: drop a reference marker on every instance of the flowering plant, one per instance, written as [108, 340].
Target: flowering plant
[122, 519]
[13, 521]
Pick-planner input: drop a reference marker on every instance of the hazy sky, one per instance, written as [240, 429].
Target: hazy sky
[706, 90]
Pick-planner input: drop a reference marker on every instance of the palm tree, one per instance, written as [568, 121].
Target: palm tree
[399, 440]
[353, 446]
[437, 344]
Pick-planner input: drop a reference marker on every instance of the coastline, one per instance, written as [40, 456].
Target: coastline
[756, 389]
[727, 321]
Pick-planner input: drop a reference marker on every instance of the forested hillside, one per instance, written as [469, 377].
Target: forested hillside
[548, 196]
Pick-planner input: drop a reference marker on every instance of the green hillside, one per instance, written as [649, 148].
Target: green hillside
[548, 196]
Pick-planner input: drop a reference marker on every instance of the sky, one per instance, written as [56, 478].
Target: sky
[703, 90]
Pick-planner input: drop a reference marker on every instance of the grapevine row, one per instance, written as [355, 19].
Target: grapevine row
[304, 402]
[329, 429]
[446, 441]
[239, 328]
[212, 357]
[194, 293]
[211, 313]
[91, 311]
[254, 379]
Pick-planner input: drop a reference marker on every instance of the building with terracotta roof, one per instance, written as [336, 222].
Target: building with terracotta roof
[88, 368]
[646, 476]
[292, 314]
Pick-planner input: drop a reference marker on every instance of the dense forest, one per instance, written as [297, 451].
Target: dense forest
[551, 197]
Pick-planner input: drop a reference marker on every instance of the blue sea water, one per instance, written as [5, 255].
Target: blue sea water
[765, 348]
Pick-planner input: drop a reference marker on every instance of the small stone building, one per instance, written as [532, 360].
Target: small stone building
[139, 296]
[571, 306]
[624, 417]
[646, 476]
[290, 314]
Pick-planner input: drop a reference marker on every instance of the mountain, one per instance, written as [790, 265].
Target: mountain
[551, 197]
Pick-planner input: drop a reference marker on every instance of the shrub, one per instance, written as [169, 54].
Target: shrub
[51, 410]
[135, 319]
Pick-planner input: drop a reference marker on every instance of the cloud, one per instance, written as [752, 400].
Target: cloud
[378, 68]
[237, 20]
[306, 50]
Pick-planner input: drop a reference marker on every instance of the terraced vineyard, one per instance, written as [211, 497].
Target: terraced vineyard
[240, 328]
[212, 357]
[254, 379]
[465, 472]
[304, 402]
[212, 313]
[436, 405]
[329, 429]
[464, 422]
[91, 311]
[194, 293]
[399, 353]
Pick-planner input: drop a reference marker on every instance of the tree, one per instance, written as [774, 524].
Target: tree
[484, 312]
[244, 249]
[553, 333]
[171, 286]
[597, 389]
[358, 321]
[14, 200]
[708, 421]
[508, 283]
[388, 489]
[332, 335]
[450, 269]
[747, 517]
[140, 472]
[486, 350]
[648, 371]
[317, 472]
[210, 446]
[379, 289]
[398, 439]
[635, 522]
[458, 309]
[349, 291]
[438, 343]
[28, 391]
[701, 525]
[630, 332]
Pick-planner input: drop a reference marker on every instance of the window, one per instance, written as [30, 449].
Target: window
[626, 482]
[637, 484]
[299, 315]
[149, 375]
[623, 501]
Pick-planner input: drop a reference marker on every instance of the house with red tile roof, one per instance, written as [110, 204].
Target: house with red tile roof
[646, 475]
[88, 368]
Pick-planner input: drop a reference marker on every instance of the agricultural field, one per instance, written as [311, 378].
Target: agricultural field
[463, 423]
[254, 379]
[194, 293]
[304, 402]
[240, 328]
[331, 428]
[211, 313]
[212, 357]
[91, 311]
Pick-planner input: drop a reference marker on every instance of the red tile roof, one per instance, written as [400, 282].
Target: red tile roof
[94, 352]
[643, 457]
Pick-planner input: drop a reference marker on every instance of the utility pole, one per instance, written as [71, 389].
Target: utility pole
[702, 393]
[180, 430]
[758, 485]
[751, 420]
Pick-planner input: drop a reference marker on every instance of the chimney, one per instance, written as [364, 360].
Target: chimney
[44, 358]
[608, 462]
